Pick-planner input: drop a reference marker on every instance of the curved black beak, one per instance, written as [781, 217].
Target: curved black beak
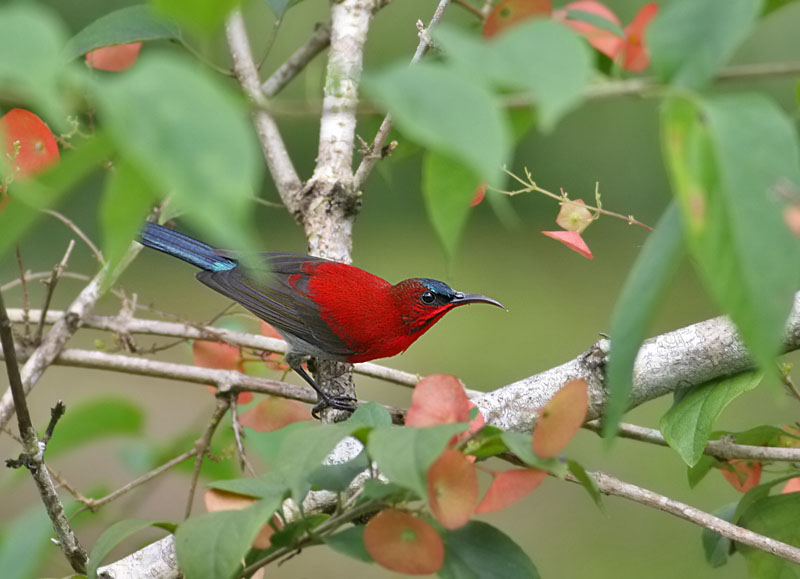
[462, 299]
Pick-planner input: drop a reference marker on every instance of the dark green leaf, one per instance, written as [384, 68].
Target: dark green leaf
[520, 444]
[404, 454]
[447, 112]
[480, 551]
[99, 418]
[597, 21]
[757, 493]
[132, 24]
[375, 490]
[717, 547]
[688, 424]
[203, 16]
[25, 543]
[114, 535]
[540, 57]
[447, 188]
[764, 435]
[488, 441]
[190, 137]
[691, 39]
[127, 200]
[290, 534]
[367, 417]
[267, 485]
[587, 481]
[212, 545]
[773, 5]
[31, 195]
[635, 308]
[31, 67]
[337, 477]
[699, 471]
[775, 517]
[350, 542]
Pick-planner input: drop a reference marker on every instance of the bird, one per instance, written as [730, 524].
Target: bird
[321, 308]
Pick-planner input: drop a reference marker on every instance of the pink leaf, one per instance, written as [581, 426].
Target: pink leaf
[571, 239]
[508, 487]
[114, 58]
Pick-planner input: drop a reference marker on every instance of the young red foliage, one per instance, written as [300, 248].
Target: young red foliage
[403, 543]
[274, 413]
[508, 487]
[452, 489]
[571, 239]
[29, 141]
[220, 356]
[510, 12]
[272, 360]
[746, 474]
[791, 216]
[440, 399]
[561, 418]
[573, 216]
[602, 40]
[217, 500]
[478, 197]
[792, 486]
[635, 56]
[114, 58]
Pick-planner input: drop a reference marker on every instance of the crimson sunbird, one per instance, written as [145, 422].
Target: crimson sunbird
[322, 308]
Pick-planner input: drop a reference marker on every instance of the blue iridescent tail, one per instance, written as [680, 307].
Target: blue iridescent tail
[184, 247]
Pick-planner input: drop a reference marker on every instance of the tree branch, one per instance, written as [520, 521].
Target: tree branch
[284, 74]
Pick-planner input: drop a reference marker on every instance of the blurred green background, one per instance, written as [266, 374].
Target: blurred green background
[558, 303]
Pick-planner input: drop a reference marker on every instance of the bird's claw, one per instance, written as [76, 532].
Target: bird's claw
[346, 403]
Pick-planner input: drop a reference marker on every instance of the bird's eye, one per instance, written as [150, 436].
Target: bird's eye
[428, 298]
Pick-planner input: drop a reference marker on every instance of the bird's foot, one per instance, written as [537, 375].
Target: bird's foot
[347, 403]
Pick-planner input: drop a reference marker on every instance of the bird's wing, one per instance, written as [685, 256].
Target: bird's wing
[279, 301]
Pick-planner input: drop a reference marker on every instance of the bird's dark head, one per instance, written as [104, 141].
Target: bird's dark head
[423, 301]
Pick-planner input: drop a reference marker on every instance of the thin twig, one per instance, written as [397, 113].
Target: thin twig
[42, 275]
[467, 5]
[369, 160]
[238, 436]
[316, 43]
[26, 300]
[79, 232]
[51, 286]
[202, 445]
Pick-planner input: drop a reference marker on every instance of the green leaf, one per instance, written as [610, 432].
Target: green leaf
[114, 535]
[636, 306]
[204, 16]
[132, 24]
[775, 517]
[729, 157]
[375, 490]
[337, 477]
[267, 485]
[488, 441]
[699, 471]
[688, 424]
[31, 195]
[31, 66]
[404, 454]
[212, 545]
[540, 57]
[25, 543]
[447, 188]
[691, 39]
[587, 481]
[290, 534]
[190, 137]
[369, 416]
[520, 444]
[597, 21]
[127, 200]
[93, 420]
[480, 551]
[350, 542]
[757, 493]
[447, 112]
[716, 547]
[773, 5]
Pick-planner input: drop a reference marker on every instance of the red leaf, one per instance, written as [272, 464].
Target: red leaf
[602, 40]
[114, 58]
[438, 399]
[220, 356]
[573, 216]
[791, 215]
[217, 500]
[635, 55]
[561, 418]
[792, 486]
[508, 487]
[36, 147]
[746, 474]
[272, 360]
[480, 194]
[403, 543]
[510, 12]
[571, 239]
[452, 489]
[274, 413]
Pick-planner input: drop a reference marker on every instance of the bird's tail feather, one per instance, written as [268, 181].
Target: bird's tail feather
[184, 247]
